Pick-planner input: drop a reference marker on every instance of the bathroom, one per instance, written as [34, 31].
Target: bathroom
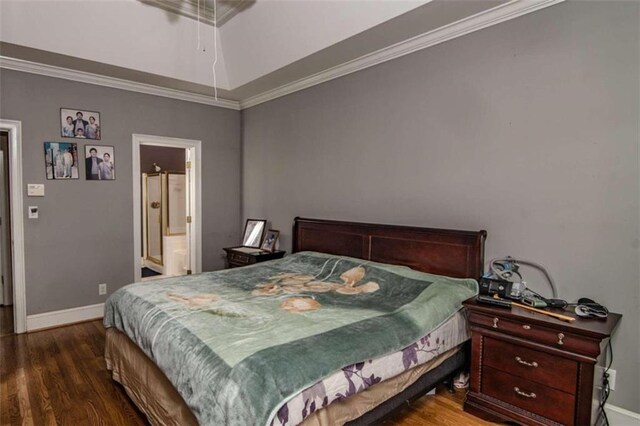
[164, 212]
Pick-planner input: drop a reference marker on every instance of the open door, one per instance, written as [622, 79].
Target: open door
[188, 176]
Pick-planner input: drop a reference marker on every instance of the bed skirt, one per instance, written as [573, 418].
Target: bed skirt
[156, 397]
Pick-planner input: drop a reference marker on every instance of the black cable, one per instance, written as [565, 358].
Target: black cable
[551, 303]
[606, 389]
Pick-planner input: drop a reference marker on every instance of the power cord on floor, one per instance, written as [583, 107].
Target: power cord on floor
[606, 388]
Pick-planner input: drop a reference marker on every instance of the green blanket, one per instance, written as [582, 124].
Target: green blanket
[238, 343]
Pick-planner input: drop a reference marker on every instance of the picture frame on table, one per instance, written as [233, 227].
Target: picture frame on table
[270, 239]
[253, 232]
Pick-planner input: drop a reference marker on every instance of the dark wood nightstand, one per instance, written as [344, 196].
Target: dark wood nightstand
[532, 369]
[239, 256]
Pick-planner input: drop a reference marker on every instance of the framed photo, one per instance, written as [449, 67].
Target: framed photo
[61, 160]
[99, 162]
[269, 243]
[253, 230]
[81, 124]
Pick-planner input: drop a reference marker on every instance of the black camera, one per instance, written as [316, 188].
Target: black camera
[503, 288]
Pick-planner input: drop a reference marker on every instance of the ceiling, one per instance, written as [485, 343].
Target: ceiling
[265, 48]
[203, 9]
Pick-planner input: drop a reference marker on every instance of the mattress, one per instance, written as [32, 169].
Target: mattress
[276, 342]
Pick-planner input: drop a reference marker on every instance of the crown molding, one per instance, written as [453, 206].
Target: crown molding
[116, 83]
[490, 17]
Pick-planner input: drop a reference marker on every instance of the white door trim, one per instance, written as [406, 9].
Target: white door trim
[4, 293]
[195, 147]
[17, 223]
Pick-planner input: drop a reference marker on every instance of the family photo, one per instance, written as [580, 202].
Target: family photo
[80, 124]
[61, 160]
[99, 162]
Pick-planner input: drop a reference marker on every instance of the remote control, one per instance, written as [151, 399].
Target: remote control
[493, 301]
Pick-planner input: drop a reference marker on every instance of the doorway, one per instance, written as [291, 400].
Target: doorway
[167, 220]
[164, 211]
[12, 229]
[6, 274]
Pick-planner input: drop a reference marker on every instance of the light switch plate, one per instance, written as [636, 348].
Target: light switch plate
[33, 212]
[35, 190]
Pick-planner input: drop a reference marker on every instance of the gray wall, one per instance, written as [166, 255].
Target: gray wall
[528, 129]
[85, 232]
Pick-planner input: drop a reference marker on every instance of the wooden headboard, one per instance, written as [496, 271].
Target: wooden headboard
[448, 252]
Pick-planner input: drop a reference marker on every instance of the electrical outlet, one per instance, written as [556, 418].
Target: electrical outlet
[102, 289]
[612, 379]
[599, 372]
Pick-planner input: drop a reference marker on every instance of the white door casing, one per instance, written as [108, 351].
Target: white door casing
[3, 279]
[14, 128]
[6, 293]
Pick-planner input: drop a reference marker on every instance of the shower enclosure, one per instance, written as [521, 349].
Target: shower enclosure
[164, 222]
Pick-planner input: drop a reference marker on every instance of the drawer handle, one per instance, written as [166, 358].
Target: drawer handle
[526, 327]
[528, 364]
[560, 337]
[521, 393]
[495, 323]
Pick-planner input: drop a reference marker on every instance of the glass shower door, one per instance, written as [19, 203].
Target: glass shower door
[176, 204]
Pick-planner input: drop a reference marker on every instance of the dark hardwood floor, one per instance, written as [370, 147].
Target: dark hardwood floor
[58, 377]
[6, 320]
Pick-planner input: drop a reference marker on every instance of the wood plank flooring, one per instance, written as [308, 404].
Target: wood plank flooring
[58, 377]
[6, 320]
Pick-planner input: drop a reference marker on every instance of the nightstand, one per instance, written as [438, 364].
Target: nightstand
[533, 369]
[243, 256]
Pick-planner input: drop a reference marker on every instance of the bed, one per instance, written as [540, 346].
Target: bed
[335, 333]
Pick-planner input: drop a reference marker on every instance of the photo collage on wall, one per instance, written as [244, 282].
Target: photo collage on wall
[62, 158]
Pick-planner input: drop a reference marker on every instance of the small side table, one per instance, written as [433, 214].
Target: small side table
[532, 369]
[240, 256]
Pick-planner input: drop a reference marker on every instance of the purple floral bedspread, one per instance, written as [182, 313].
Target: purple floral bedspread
[358, 377]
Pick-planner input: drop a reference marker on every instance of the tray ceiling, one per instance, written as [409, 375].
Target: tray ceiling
[203, 9]
[272, 48]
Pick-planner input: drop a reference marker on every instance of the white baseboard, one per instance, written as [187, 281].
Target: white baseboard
[65, 316]
[621, 417]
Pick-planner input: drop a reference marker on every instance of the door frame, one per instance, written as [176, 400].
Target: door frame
[14, 128]
[195, 148]
[5, 229]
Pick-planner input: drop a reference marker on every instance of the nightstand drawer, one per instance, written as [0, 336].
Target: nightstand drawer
[240, 258]
[536, 333]
[528, 395]
[540, 367]
[243, 256]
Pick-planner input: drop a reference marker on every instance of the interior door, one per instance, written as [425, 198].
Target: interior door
[154, 210]
[188, 176]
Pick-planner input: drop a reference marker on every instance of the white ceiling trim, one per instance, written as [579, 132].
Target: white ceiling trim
[496, 15]
[116, 83]
[490, 17]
